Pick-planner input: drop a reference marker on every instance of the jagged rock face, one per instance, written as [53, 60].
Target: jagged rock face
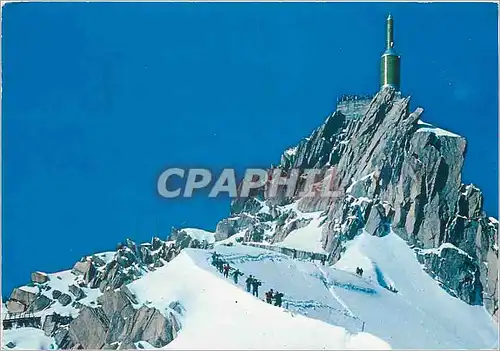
[283, 231]
[114, 321]
[150, 325]
[89, 329]
[20, 300]
[379, 220]
[41, 302]
[54, 322]
[407, 177]
[457, 273]
[314, 152]
[231, 226]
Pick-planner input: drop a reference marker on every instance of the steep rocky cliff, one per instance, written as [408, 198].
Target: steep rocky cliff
[391, 172]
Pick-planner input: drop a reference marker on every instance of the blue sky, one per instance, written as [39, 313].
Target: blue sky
[100, 98]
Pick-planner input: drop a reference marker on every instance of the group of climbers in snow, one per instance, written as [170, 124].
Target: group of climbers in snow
[252, 283]
[224, 268]
[277, 296]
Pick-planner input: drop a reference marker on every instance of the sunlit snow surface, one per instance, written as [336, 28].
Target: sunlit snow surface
[200, 234]
[26, 339]
[307, 238]
[426, 127]
[220, 315]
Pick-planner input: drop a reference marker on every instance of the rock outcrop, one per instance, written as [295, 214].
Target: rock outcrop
[390, 171]
[114, 321]
[39, 277]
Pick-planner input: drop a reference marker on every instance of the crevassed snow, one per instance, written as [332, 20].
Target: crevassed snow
[220, 315]
[27, 339]
[426, 127]
[200, 234]
[421, 314]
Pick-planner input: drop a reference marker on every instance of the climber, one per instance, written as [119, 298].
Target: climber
[220, 265]
[269, 296]
[294, 254]
[255, 287]
[323, 259]
[235, 274]
[249, 282]
[215, 257]
[226, 270]
[361, 272]
[277, 298]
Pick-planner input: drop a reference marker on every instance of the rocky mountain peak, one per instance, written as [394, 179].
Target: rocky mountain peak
[393, 172]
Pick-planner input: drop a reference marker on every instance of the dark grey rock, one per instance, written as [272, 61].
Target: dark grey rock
[150, 325]
[89, 329]
[63, 339]
[177, 307]
[379, 220]
[456, 271]
[64, 299]
[98, 262]
[77, 292]
[156, 243]
[41, 302]
[53, 322]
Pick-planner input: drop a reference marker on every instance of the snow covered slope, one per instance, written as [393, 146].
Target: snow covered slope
[200, 234]
[410, 318]
[26, 339]
[395, 304]
[221, 316]
[307, 238]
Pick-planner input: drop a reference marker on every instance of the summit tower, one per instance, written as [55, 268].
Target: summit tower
[390, 62]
